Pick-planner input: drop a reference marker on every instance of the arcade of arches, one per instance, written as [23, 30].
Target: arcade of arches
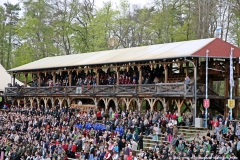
[140, 104]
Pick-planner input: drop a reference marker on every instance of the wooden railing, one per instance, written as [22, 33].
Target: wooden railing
[167, 89]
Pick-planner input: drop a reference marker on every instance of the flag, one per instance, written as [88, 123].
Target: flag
[218, 29]
[231, 68]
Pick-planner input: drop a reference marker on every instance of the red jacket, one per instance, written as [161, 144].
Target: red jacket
[65, 147]
[74, 148]
[99, 114]
[129, 157]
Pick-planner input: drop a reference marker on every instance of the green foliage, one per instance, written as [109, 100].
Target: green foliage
[63, 27]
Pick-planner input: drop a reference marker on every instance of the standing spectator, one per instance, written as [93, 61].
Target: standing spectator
[238, 132]
[238, 148]
[187, 79]
[99, 115]
[209, 121]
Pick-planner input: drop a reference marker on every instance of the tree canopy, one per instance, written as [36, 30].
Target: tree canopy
[33, 29]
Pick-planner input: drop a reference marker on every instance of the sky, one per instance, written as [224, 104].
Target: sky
[98, 2]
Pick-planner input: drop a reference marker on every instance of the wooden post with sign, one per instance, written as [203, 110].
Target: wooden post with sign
[231, 103]
[206, 103]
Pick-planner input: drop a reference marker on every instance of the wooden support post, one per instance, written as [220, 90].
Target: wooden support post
[236, 71]
[210, 63]
[179, 104]
[54, 77]
[18, 102]
[52, 101]
[26, 80]
[39, 79]
[227, 88]
[45, 102]
[165, 103]
[97, 78]
[226, 93]
[195, 61]
[25, 102]
[14, 75]
[70, 78]
[187, 68]
[31, 102]
[117, 72]
[235, 110]
[166, 73]
[140, 75]
[170, 68]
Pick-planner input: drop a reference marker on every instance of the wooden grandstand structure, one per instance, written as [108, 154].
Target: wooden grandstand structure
[171, 93]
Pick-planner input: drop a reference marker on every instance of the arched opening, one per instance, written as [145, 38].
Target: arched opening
[172, 106]
[158, 106]
[122, 105]
[27, 103]
[35, 103]
[101, 105]
[145, 106]
[82, 101]
[14, 103]
[21, 103]
[42, 103]
[133, 105]
[49, 103]
[65, 103]
[111, 104]
[56, 102]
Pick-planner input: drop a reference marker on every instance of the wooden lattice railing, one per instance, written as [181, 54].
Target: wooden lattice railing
[167, 89]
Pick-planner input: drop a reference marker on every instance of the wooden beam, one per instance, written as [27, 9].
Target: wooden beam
[14, 75]
[187, 107]
[179, 103]
[97, 77]
[235, 110]
[166, 73]
[70, 78]
[54, 76]
[237, 68]
[187, 68]
[118, 76]
[140, 74]
[39, 78]
[26, 80]
[226, 93]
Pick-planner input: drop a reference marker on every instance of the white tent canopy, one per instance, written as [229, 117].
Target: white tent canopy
[6, 78]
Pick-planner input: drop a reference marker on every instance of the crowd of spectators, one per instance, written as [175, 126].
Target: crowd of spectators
[60, 133]
[105, 78]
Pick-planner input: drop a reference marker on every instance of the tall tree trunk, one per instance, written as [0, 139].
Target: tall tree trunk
[2, 44]
[9, 47]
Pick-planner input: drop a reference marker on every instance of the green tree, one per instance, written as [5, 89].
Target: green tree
[12, 15]
[2, 33]
[35, 30]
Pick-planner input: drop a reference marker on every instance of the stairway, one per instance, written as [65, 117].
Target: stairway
[189, 134]
[215, 104]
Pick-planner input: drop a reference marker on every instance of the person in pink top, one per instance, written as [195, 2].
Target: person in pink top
[115, 115]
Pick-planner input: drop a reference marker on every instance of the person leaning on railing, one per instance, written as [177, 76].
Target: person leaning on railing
[187, 79]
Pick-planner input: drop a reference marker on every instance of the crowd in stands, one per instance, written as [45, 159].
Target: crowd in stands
[105, 78]
[59, 133]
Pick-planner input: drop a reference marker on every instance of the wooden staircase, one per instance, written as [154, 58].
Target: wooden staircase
[189, 133]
